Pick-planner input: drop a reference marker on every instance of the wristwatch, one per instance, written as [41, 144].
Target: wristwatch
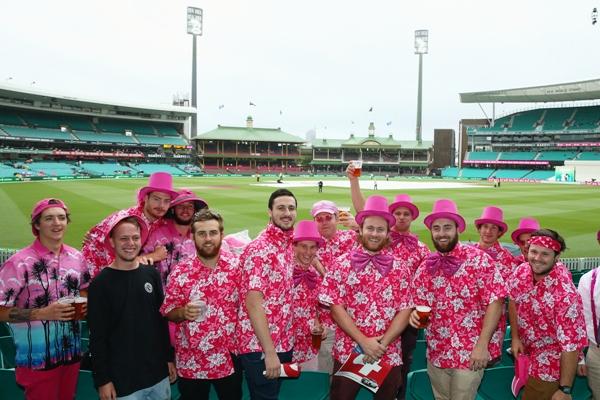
[565, 389]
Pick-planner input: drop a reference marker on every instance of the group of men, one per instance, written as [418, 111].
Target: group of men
[168, 300]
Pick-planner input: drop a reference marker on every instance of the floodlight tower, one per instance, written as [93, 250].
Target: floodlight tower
[194, 28]
[421, 47]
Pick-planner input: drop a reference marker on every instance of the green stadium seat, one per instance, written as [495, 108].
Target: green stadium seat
[419, 358]
[7, 352]
[517, 155]
[511, 173]
[541, 175]
[482, 156]
[9, 389]
[525, 121]
[586, 118]
[5, 329]
[419, 386]
[85, 387]
[310, 385]
[589, 155]
[37, 133]
[556, 118]
[161, 140]
[88, 136]
[495, 384]
[476, 173]
[450, 172]
[556, 155]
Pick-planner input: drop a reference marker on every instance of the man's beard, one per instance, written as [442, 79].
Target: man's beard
[445, 248]
[365, 244]
[180, 221]
[204, 253]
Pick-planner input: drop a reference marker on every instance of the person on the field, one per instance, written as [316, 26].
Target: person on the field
[153, 203]
[202, 298]
[546, 318]
[368, 293]
[265, 315]
[521, 235]
[47, 339]
[129, 339]
[465, 292]
[173, 240]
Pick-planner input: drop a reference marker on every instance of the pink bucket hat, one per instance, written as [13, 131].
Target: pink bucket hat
[307, 230]
[158, 182]
[526, 225]
[404, 200]
[492, 215]
[185, 195]
[376, 206]
[445, 208]
[325, 206]
[141, 223]
[42, 205]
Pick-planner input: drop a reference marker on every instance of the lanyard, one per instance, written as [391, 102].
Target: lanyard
[594, 316]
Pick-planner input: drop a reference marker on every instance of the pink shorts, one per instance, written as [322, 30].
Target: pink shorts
[56, 384]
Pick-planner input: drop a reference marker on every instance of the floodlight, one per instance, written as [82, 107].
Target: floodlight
[421, 41]
[194, 21]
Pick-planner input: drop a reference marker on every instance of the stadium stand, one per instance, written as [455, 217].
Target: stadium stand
[149, 168]
[482, 156]
[88, 136]
[588, 155]
[146, 139]
[586, 118]
[556, 119]
[450, 172]
[517, 155]
[525, 121]
[476, 173]
[540, 175]
[39, 133]
[556, 155]
[107, 168]
[54, 168]
[510, 173]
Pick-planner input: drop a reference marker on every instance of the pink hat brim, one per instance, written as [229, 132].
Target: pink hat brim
[460, 221]
[143, 232]
[319, 240]
[360, 217]
[518, 232]
[414, 211]
[503, 227]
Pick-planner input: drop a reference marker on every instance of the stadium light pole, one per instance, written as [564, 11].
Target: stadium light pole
[194, 28]
[421, 47]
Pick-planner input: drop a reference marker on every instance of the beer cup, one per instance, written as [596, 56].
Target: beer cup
[79, 303]
[357, 167]
[423, 312]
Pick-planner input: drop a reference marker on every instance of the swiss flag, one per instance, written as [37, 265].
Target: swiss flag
[369, 375]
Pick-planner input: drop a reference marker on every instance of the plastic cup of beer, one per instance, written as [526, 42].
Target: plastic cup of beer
[198, 302]
[344, 211]
[423, 312]
[357, 164]
[79, 303]
[70, 300]
[317, 337]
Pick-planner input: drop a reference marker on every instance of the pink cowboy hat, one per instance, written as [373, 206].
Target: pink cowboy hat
[325, 206]
[526, 225]
[158, 182]
[376, 206]
[185, 195]
[492, 215]
[42, 205]
[307, 230]
[141, 223]
[445, 208]
[404, 200]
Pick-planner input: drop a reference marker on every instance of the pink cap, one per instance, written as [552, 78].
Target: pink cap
[42, 205]
[526, 225]
[307, 230]
[143, 231]
[185, 195]
[445, 208]
[404, 200]
[376, 206]
[158, 182]
[325, 206]
[492, 215]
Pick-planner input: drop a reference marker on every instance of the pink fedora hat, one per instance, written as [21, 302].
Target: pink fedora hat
[445, 208]
[526, 225]
[185, 195]
[42, 205]
[404, 200]
[492, 215]
[119, 218]
[325, 206]
[158, 182]
[376, 206]
[307, 230]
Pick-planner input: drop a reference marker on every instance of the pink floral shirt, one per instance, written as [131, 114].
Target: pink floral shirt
[179, 247]
[203, 348]
[458, 304]
[505, 261]
[305, 309]
[412, 255]
[341, 243]
[520, 259]
[267, 267]
[35, 277]
[371, 300]
[93, 248]
[550, 318]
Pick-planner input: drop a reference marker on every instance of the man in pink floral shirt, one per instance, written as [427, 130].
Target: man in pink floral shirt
[265, 316]
[153, 204]
[47, 339]
[174, 236]
[465, 292]
[546, 315]
[367, 291]
[521, 236]
[202, 298]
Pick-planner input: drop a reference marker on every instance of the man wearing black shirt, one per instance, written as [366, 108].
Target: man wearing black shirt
[129, 339]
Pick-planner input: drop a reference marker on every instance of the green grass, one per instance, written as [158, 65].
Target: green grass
[572, 210]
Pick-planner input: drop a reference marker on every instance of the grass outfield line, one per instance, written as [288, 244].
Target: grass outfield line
[573, 210]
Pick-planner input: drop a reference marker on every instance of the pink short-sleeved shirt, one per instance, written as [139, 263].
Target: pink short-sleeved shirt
[179, 247]
[35, 277]
[371, 300]
[267, 267]
[550, 318]
[458, 305]
[412, 255]
[505, 261]
[93, 248]
[341, 243]
[203, 348]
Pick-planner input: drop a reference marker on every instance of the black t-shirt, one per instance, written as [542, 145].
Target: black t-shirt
[129, 338]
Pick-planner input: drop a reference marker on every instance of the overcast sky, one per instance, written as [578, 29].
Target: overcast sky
[311, 64]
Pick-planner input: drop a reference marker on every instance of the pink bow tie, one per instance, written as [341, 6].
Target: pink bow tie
[438, 262]
[309, 276]
[403, 239]
[382, 262]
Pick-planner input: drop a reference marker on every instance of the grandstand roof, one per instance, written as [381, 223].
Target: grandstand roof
[242, 133]
[572, 91]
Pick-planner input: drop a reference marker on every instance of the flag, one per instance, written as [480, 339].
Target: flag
[388, 123]
[221, 106]
[252, 104]
[370, 109]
